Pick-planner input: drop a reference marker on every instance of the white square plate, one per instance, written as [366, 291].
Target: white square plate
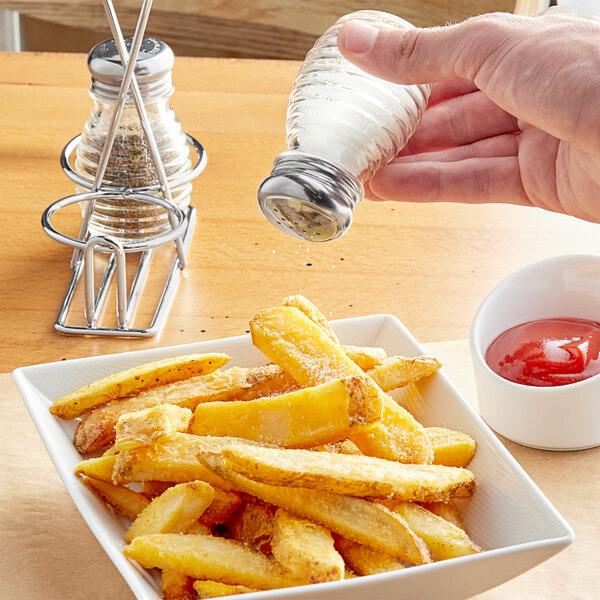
[508, 515]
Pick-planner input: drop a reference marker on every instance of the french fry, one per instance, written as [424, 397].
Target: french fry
[300, 347]
[98, 468]
[134, 380]
[224, 504]
[253, 524]
[214, 589]
[364, 357]
[151, 489]
[176, 586]
[342, 447]
[147, 426]
[446, 510]
[96, 429]
[396, 436]
[398, 371]
[206, 557]
[173, 460]
[306, 549]
[363, 560]
[354, 475]
[326, 413]
[444, 539]
[360, 520]
[305, 306]
[451, 448]
[122, 499]
[174, 511]
[198, 528]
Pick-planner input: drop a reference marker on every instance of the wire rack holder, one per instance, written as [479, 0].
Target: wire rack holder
[85, 245]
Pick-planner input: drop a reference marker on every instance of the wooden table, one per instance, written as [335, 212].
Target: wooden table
[430, 265]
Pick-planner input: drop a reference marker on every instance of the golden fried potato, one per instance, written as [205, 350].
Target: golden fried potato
[206, 557]
[151, 489]
[443, 539]
[134, 380]
[326, 413]
[300, 347]
[176, 586]
[147, 426]
[365, 357]
[96, 429]
[98, 468]
[398, 371]
[224, 504]
[451, 448]
[362, 476]
[363, 560]
[174, 511]
[360, 520]
[446, 510]
[305, 548]
[396, 436]
[173, 460]
[342, 447]
[122, 499]
[214, 589]
[198, 528]
[305, 306]
[253, 524]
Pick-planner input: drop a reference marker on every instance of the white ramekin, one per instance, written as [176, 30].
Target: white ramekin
[552, 418]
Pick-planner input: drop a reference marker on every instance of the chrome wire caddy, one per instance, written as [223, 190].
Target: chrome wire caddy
[115, 252]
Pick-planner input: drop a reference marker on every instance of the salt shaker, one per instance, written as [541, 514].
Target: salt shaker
[130, 165]
[342, 126]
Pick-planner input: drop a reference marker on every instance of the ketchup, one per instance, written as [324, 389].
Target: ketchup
[547, 352]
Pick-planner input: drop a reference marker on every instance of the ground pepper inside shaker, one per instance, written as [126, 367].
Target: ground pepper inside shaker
[130, 165]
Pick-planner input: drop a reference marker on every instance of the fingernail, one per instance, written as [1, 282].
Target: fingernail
[357, 37]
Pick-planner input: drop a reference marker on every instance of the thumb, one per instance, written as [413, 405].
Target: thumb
[424, 55]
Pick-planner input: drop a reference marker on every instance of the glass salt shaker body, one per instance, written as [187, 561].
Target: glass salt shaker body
[342, 126]
[130, 164]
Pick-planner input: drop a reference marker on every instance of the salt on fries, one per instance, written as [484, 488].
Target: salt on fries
[300, 471]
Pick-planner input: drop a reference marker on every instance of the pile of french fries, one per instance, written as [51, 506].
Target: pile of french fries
[301, 471]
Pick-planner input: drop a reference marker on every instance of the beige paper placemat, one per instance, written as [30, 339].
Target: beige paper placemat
[48, 551]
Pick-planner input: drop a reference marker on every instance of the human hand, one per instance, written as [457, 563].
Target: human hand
[514, 116]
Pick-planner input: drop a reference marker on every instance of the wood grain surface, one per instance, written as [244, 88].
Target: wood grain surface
[430, 265]
[261, 28]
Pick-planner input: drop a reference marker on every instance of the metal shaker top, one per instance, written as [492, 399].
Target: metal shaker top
[308, 197]
[152, 70]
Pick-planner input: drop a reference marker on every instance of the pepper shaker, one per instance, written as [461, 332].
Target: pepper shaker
[130, 166]
[342, 126]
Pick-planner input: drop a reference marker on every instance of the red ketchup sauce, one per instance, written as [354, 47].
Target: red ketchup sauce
[547, 352]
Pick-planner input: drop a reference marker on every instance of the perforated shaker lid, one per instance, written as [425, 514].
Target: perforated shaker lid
[152, 70]
[308, 197]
